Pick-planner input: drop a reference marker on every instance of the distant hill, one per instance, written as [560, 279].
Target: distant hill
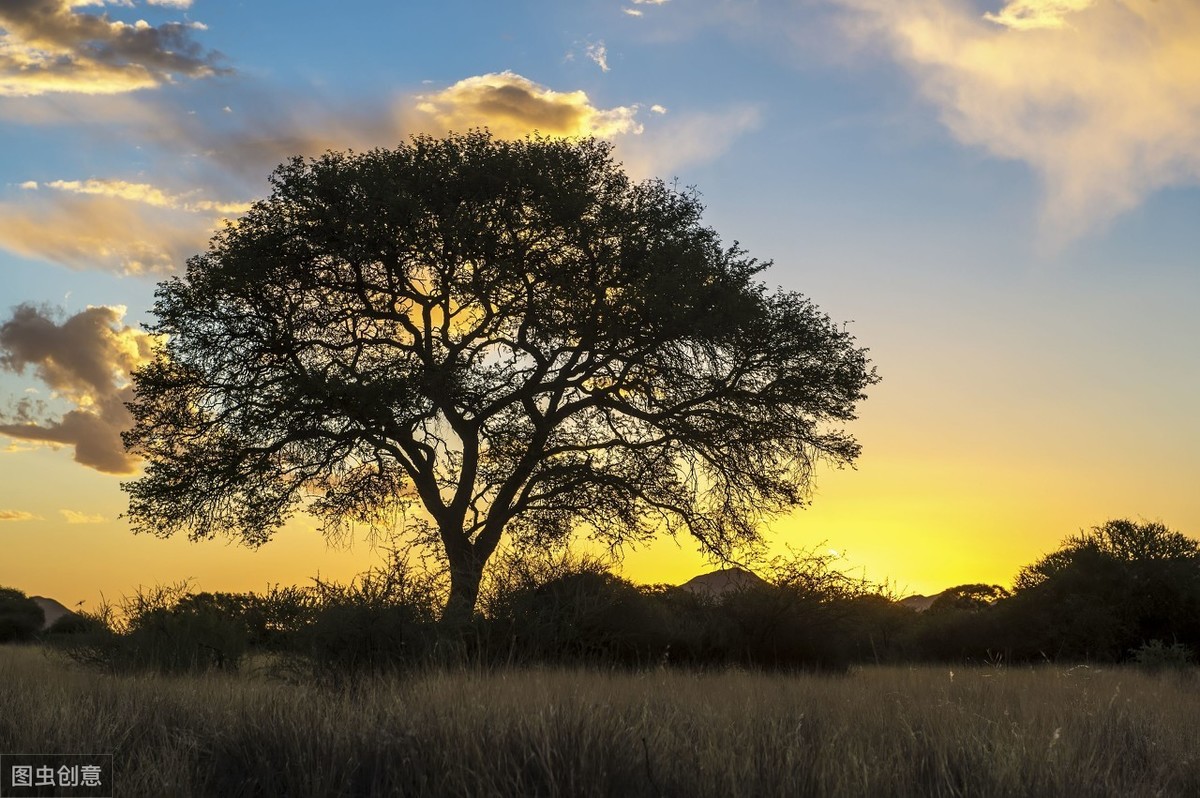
[51, 609]
[726, 580]
[918, 603]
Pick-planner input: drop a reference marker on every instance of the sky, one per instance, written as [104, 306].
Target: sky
[998, 198]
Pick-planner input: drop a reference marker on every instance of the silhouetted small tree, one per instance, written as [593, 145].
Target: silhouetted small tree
[973, 597]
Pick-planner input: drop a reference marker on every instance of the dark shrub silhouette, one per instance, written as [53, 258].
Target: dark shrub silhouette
[21, 618]
[75, 623]
[1105, 592]
[382, 620]
[961, 625]
[169, 630]
[804, 614]
[568, 609]
[874, 628]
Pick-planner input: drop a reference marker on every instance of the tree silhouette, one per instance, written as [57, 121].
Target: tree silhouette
[1108, 590]
[511, 335]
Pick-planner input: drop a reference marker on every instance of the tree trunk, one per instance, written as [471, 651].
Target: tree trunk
[466, 571]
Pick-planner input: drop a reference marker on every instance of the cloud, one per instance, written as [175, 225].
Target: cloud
[513, 106]
[17, 515]
[50, 46]
[1031, 14]
[73, 517]
[637, 12]
[1100, 99]
[686, 138]
[148, 194]
[137, 227]
[181, 4]
[103, 232]
[86, 360]
[598, 53]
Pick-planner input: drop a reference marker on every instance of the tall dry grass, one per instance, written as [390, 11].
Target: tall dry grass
[873, 732]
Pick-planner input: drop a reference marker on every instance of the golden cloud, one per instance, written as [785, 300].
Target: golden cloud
[75, 517]
[49, 46]
[86, 360]
[17, 515]
[512, 106]
[103, 232]
[142, 227]
[1102, 100]
[148, 194]
[1031, 14]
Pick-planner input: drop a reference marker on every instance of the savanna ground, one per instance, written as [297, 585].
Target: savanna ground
[874, 731]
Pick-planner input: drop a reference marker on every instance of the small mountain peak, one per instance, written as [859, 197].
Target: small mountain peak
[725, 580]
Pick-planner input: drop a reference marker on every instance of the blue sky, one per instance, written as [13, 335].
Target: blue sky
[1000, 197]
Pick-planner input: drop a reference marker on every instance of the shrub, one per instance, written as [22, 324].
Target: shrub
[21, 618]
[383, 619]
[75, 623]
[1156, 655]
[563, 608]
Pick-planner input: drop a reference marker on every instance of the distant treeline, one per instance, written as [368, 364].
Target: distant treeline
[1123, 591]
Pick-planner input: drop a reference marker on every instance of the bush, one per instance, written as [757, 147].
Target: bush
[563, 608]
[382, 620]
[1156, 655]
[21, 618]
[75, 623]
[165, 629]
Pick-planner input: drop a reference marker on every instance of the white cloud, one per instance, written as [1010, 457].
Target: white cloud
[17, 515]
[685, 138]
[633, 12]
[1101, 99]
[171, 3]
[598, 53]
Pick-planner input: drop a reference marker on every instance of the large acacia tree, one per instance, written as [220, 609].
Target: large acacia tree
[507, 337]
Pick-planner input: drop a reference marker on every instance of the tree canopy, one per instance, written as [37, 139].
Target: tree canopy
[1119, 545]
[484, 338]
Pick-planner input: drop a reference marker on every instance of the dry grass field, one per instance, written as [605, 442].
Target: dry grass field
[872, 732]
